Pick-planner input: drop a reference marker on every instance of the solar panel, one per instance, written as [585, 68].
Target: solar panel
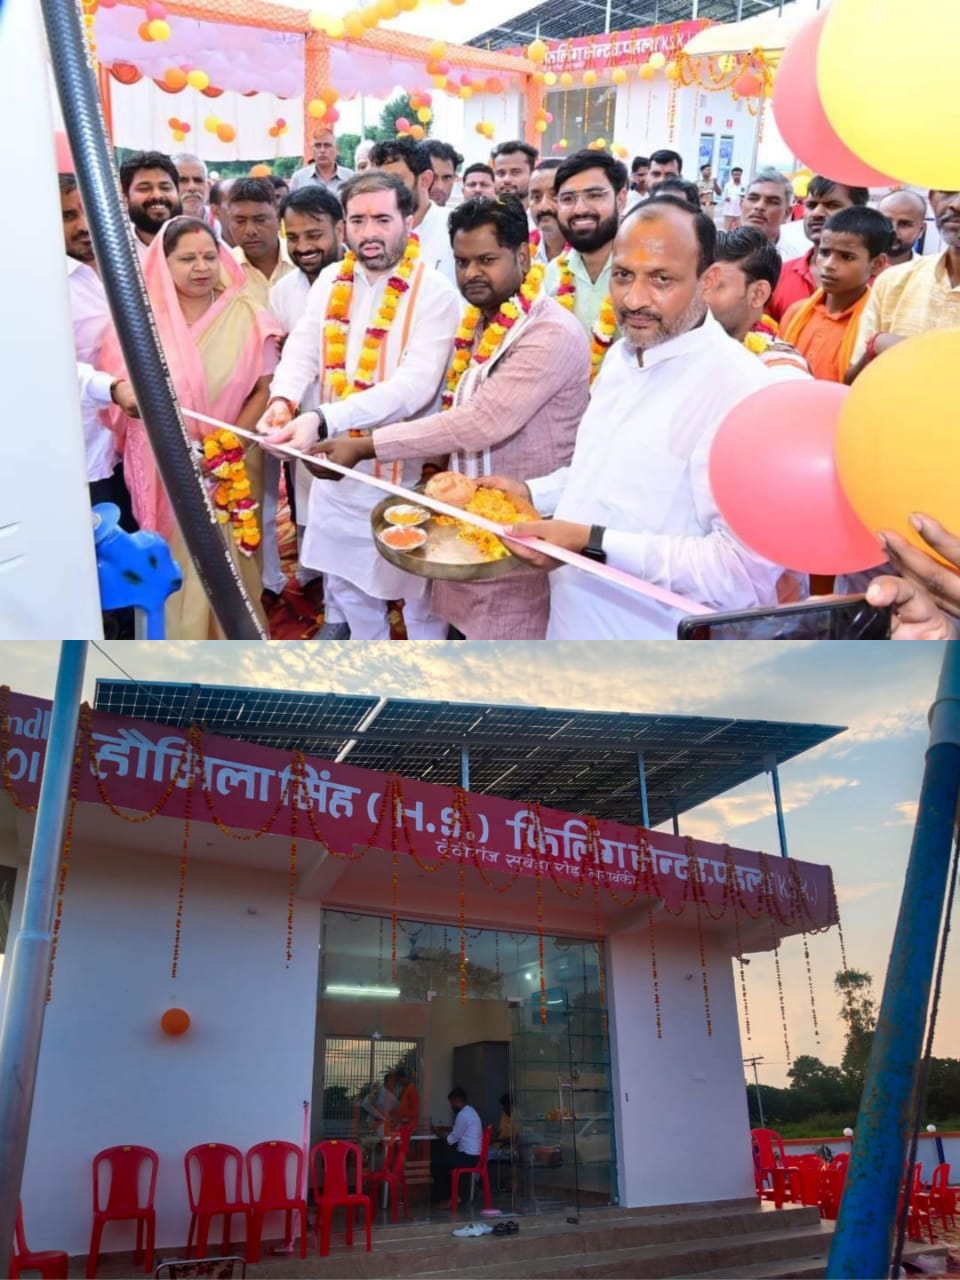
[580, 761]
[571, 19]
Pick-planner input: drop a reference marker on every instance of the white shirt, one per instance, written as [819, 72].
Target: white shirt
[94, 387]
[435, 248]
[288, 301]
[641, 469]
[91, 319]
[338, 537]
[142, 249]
[733, 193]
[794, 241]
[467, 1132]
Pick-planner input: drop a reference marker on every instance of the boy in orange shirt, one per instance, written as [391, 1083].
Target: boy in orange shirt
[823, 328]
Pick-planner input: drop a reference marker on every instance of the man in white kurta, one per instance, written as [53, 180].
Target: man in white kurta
[637, 492]
[413, 358]
[313, 223]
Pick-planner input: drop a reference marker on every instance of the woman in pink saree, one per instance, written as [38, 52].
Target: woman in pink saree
[221, 348]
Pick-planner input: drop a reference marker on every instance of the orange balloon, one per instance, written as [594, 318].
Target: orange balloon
[417, 132]
[329, 95]
[143, 31]
[175, 79]
[175, 1022]
[226, 132]
[261, 170]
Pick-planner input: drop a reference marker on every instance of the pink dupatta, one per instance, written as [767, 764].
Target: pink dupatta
[214, 365]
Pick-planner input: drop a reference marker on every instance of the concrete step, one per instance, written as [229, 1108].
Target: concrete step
[815, 1268]
[651, 1261]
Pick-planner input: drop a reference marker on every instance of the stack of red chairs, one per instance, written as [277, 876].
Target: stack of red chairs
[806, 1183]
[943, 1197]
[832, 1178]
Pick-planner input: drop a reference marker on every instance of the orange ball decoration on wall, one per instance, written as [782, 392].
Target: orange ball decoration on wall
[175, 1022]
[226, 132]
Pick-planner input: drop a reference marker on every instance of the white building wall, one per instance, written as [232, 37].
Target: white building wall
[642, 122]
[681, 1108]
[108, 1075]
[503, 111]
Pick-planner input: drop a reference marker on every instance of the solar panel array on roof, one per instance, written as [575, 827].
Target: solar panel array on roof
[571, 19]
[580, 761]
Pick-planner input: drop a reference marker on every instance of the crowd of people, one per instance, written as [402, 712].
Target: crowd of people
[565, 330]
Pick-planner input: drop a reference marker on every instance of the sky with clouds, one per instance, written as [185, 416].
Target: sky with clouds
[849, 803]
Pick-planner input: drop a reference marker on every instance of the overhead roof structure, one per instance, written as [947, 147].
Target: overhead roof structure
[582, 762]
[571, 19]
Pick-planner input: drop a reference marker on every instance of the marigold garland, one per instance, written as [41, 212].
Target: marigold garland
[337, 323]
[602, 335]
[763, 333]
[226, 470]
[493, 335]
[605, 328]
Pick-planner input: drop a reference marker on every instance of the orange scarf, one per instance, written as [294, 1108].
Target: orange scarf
[805, 311]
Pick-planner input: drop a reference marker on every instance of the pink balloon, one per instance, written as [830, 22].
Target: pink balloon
[402, 123]
[774, 477]
[802, 121]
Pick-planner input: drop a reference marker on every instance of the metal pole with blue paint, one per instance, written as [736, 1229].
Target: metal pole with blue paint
[771, 766]
[29, 962]
[644, 805]
[862, 1241]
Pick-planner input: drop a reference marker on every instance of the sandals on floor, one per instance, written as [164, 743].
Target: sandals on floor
[472, 1229]
[506, 1228]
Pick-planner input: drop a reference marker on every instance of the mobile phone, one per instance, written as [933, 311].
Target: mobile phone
[819, 618]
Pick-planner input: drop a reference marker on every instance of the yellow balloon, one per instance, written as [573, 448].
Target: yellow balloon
[590, 78]
[335, 28]
[618, 75]
[801, 182]
[424, 115]
[550, 77]
[893, 109]
[198, 80]
[898, 447]
[566, 79]
[657, 60]
[646, 72]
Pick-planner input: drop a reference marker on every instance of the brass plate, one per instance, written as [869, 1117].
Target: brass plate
[444, 554]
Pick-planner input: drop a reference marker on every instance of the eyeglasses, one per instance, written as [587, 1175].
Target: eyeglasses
[592, 195]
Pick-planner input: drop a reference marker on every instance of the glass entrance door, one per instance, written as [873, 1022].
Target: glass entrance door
[563, 1143]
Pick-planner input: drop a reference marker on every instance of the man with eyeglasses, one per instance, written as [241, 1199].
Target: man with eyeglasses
[591, 192]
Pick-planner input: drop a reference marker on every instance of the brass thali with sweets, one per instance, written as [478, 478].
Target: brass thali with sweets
[435, 546]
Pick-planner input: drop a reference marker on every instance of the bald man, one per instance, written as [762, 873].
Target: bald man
[908, 212]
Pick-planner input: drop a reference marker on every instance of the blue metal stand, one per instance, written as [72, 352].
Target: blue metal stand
[136, 570]
[864, 1233]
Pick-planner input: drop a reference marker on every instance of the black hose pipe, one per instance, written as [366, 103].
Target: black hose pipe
[123, 283]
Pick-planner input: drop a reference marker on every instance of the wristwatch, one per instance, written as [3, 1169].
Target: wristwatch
[594, 548]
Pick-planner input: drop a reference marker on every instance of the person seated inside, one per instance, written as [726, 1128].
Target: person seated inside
[504, 1124]
[853, 249]
[458, 1148]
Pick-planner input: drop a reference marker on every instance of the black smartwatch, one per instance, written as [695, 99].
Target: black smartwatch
[594, 548]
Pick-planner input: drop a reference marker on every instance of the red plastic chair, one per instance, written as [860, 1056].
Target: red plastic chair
[807, 1181]
[335, 1157]
[832, 1179]
[479, 1170]
[269, 1171]
[918, 1209]
[214, 1172]
[124, 1199]
[393, 1174]
[770, 1161]
[51, 1263]
[943, 1197]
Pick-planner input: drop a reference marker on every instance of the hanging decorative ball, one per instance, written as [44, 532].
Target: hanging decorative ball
[159, 30]
[260, 170]
[540, 126]
[439, 82]
[154, 9]
[590, 78]
[329, 95]
[748, 86]
[550, 78]
[646, 72]
[424, 115]
[436, 50]
[332, 116]
[175, 79]
[369, 17]
[600, 144]
[657, 60]
[563, 144]
[175, 1022]
[387, 9]
[493, 85]
[465, 92]
[211, 124]
[566, 79]
[726, 63]
[178, 135]
[198, 80]
[143, 31]
[618, 75]
[316, 109]
[672, 71]
[335, 28]
[417, 132]
[536, 51]
[226, 132]
[318, 21]
[352, 25]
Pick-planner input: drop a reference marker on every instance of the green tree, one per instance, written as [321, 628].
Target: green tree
[391, 113]
[819, 1087]
[859, 1012]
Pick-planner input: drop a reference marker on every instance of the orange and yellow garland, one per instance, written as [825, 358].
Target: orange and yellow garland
[604, 330]
[763, 333]
[223, 463]
[337, 322]
[494, 333]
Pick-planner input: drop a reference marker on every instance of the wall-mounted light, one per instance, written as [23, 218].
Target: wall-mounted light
[349, 989]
